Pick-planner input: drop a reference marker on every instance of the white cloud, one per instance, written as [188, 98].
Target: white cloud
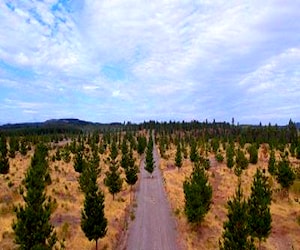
[206, 58]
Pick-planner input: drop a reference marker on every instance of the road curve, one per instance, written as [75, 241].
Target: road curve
[154, 227]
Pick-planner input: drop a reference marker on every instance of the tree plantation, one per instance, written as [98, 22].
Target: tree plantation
[75, 186]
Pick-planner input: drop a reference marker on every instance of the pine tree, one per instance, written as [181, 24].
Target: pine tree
[184, 150]
[125, 157]
[13, 146]
[93, 221]
[124, 147]
[4, 163]
[79, 163]
[131, 171]
[215, 144]
[149, 164]
[113, 179]
[285, 175]
[259, 207]
[198, 195]
[113, 151]
[91, 168]
[241, 162]
[178, 157]
[272, 163]
[162, 147]
[142, 144]
[230, 156]
[253, 152]
[32, 228]
[23, 147]
[236, 231]
[194, 157]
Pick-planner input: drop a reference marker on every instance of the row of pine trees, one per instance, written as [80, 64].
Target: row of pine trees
[32, 226]
[242, 220]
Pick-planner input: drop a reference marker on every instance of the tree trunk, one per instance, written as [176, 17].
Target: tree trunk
[97, 244]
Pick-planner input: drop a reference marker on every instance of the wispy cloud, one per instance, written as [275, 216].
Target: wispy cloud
[137, 60]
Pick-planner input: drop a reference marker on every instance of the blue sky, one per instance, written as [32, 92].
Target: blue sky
[133, 60]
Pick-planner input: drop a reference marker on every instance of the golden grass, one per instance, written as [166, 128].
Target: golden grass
[66, 217]
[285, 212]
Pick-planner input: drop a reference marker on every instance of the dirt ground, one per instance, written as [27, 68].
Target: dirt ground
[65, 190]
[154, 227]
[285, 212]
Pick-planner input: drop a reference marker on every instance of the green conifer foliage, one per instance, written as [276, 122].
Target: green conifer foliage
[32, 228]
[178, 157]
[93, 221]
[113, 151]
[272, 163]
[4, 163]
[131, 171]
[13, 146]
[79, 163]
[194, 157]
[236, 231]
[142, 144]
[113, 179]
[253, 152]
[149, 164]
[198, 195]
[230, 156]
[285, 174]
[259, 207]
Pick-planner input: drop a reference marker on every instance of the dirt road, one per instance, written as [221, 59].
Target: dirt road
[153, 227]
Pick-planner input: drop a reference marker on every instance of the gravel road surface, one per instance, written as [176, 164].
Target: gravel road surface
[154, 227]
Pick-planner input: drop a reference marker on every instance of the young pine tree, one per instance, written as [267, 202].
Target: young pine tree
[4, 163]
[13, 146]
[79, 162]
[23, 147]
[285, 175]
[131, 171]
[198, 195]
[259, 207]
[32, 228]
[125, 155]
[253, 152]
[178, 157]
[194, 157]
[142, 144]
[113, 151]
[272, 163]
[113, 179]
[93, 221]
[230, 156]
[236, 231]
[241, 160]
[149, 164]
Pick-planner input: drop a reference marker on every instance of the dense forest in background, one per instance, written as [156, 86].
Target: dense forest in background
[55, 130]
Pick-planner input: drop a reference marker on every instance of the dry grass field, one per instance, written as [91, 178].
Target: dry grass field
[65, 190]
[285, 212]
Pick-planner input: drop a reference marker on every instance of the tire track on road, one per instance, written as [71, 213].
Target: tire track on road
[154, 228]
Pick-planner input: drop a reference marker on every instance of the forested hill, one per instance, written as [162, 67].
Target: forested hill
[249, 133]
[56, 126]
